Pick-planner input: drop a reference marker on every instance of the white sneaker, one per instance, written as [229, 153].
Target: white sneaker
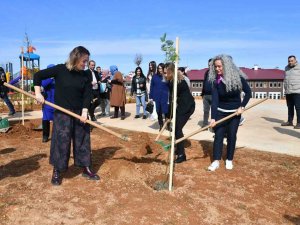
[228, 164]
[215, 165]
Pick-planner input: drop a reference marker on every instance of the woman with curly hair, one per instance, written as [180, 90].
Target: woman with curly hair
[228, 83]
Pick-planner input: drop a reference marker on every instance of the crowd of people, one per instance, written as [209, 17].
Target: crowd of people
[81, 91]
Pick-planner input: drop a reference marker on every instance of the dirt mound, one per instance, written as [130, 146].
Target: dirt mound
[263, 188]
[17, 129]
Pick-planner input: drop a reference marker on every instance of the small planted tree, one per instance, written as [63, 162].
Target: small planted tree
[138, 59]
[167, 46]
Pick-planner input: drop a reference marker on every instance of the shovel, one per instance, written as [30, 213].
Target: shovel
[166, 147]
[123, 137]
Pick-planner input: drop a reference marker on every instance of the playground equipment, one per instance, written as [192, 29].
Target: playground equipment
[29, 63]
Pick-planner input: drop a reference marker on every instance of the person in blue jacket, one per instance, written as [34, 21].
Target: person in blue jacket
[48, 92]
[228, 84]
[159, 93]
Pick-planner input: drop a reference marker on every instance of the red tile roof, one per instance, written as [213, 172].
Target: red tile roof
[259, 74]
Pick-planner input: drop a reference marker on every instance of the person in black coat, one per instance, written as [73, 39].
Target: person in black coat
[185, 108]
[4, 91]
[95, 81]
[228, 84]
[206, 97]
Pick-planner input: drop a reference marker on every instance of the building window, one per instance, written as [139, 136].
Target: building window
[251, 84]
[260, 94]
[260, 84]
[265, 84]
[196, 84]
[270, 84]
[196, 93]
[256, 84]
[274, 95]
[275, 85]
[279, 85]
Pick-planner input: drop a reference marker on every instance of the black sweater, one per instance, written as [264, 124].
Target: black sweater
[72, 88]
[185, 100]
[228, 100]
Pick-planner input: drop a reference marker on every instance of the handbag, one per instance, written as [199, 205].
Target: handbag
[149, 107]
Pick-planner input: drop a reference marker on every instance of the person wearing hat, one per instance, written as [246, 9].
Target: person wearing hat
[4, 91]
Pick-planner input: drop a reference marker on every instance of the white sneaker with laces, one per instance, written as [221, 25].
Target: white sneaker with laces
[228, 164]
[215, 165]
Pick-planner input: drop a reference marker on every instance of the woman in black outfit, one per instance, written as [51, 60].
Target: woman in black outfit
[185, 108]
[72, 92]
[228, 83]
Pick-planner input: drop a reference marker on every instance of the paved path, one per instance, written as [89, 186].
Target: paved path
[261, 130]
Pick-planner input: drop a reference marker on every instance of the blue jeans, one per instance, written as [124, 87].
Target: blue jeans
[9, 104]
[140, 100]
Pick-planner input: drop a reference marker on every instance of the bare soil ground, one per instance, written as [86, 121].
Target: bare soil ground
[263, 188]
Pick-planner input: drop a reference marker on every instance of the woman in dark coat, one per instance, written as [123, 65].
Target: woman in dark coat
[228, 83]
[159, 93]
[185, 108]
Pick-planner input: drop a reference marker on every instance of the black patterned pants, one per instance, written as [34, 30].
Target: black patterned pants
[67, 129]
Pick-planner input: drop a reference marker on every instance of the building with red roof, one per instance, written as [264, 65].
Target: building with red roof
[263, 82]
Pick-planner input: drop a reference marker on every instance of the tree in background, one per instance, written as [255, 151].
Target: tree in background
[138, 59]
[167, 46]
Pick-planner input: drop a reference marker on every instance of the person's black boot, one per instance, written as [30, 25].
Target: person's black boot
[45, 139]
[46, 130]
[160, 127]
[288, 123]
[169, 128]
[115, 114]
[89, 174]
[56, 178]
[180, 159]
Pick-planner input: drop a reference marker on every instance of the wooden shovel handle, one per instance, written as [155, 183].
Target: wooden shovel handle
[219, 121]
[68, 112]
[162, 129]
